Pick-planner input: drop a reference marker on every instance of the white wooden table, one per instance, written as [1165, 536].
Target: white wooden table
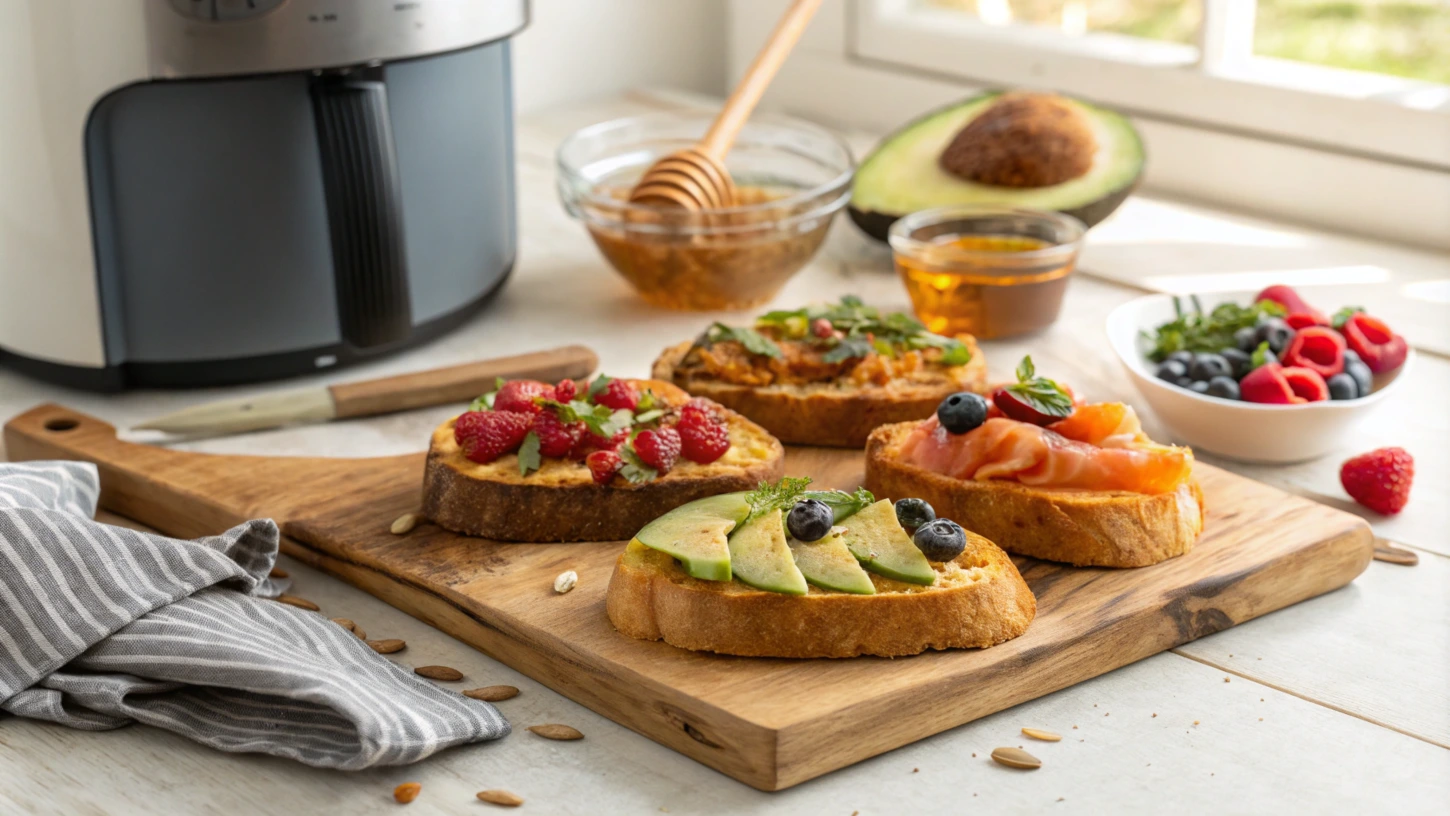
[1340, 704]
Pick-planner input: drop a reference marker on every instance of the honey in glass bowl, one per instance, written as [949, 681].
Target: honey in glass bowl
[989, 272]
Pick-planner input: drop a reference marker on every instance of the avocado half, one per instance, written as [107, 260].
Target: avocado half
[904, 174]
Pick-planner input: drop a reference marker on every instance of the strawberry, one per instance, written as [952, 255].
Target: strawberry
[1273, 384]
[618, 394]
[658, 448]
[699, 407]
[1380, 479]
[703, 437]
[1379, 348]
[603, 465]
[556, 437]
[1293, 304]
[1303, 320]
[590, 442]
[517, 396]
[486, 435]
[566, 391]
[1317, 347]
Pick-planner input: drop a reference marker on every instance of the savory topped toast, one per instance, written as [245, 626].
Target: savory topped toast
[1045, 476]
[541, 463]
[826, 375]
[733, 574]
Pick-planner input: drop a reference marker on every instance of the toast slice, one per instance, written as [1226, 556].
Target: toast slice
[1079, 527]
[833, 413]
[560, 501]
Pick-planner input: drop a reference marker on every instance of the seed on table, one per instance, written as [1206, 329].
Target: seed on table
[554, 731]
[346, 624]
[439, 673]
[387, 646]
[407, 792]
[277, 572]
[300, 603]
[492, 694]
[1039, 734]
[404, 524]
[500, 797]
[566, 581]
[1016, 758]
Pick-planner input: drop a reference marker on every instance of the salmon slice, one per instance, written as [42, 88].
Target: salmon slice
[1121, 458]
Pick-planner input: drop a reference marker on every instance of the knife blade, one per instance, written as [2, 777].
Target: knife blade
[402, 392]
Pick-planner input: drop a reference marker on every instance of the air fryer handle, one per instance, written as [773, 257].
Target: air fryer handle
[364, 209]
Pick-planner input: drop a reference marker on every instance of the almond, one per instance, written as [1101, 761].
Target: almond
[346, 624]
[404, 524]
[1039, 734]
[554, 731]
[387, 646]
[277, 572]
[300, 603]
[566, 581]
[407, 792]
[492, 694]
[500, 797]
[1016, 758]
[439, 673]
[360, 632]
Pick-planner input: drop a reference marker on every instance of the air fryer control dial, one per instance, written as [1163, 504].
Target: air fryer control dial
[224, 10]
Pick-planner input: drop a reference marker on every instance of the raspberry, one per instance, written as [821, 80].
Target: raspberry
[590, 442]
[698, 407]
[517, 396]
[603, 465]
[618, 394]
[658, 448]
[566, 391]
[703, 437]
[556, 437]
[486, 435]
[1380, 479]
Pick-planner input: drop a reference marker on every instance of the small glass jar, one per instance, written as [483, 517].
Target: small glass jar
[987, 271]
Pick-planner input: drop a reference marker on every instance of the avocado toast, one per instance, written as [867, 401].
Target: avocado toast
[731, 574]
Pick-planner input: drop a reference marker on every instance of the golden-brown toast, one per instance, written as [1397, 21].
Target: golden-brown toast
[835, 414]
[1079, 527]
[561, 502]
[979, 600]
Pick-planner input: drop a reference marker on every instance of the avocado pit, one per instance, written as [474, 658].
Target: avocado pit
[1023, 140]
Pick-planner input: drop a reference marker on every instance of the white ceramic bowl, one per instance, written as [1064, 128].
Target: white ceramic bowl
[1246, 431]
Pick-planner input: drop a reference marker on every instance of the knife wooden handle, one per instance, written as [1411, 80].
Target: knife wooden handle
[460, 383]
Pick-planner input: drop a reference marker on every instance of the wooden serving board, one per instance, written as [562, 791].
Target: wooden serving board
[769, 723]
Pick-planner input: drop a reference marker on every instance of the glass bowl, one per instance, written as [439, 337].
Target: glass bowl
[793, 178]
[986, 271]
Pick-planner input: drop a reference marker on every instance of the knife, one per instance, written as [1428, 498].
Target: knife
[402, 392]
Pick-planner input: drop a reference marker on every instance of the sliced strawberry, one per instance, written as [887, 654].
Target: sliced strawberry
[1306, 384]
[1381, 349]
[1318, 348]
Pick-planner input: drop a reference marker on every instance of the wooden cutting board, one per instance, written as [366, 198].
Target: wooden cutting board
[769, 723]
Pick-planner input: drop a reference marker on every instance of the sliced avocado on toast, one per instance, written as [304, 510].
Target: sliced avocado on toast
[695, 533]
[829, 564]
[760, 556]
[877, 540]
[1038, 151]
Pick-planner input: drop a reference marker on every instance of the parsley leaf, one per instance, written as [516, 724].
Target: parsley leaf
[1343, 316]
[753, 341]
[1041, 394]
[529, 459]
[635, 470]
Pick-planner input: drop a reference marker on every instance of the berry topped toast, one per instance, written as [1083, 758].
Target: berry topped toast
[569, 462]
[782, 571]
[826, 375]
[1044, 475]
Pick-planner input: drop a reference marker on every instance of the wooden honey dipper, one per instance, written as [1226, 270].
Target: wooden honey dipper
[695, 178]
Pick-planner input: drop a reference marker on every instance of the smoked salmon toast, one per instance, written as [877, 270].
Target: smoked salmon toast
[1045, 476]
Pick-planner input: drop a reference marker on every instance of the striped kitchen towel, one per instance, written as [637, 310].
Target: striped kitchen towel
[101, 626]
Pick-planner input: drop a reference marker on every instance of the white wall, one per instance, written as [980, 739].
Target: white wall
[576, 49]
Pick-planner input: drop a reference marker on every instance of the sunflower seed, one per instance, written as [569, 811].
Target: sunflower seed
[300, 603]
[1016, 758]
[500, 797]
[439, 673]
[554, 731]
[566, 581]
[407, 792]
[387, 646]
[1039, 734]
[492, 694]
[404, 524]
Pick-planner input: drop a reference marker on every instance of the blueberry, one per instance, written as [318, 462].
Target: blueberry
[1275, 332]
[1223, 388]
[1182, 356]
[1238, 360]
[1342, 386]
[962, 412]
[1244, 339]
[809, 520]
[1207, 366]
[912, 513]
[1363, 377]
[940, 540]
[1183, 382]
[1198, 387]
[1171, 370]
[1350, 355]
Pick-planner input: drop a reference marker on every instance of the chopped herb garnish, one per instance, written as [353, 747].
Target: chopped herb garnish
[860, 330]
[529, 459]
[842, 504]
[849, 348]
[1041, 394]
[785, 493]
[1196, 331]
[635, 470]
[599, 384]
[753, 341]
[485, 402]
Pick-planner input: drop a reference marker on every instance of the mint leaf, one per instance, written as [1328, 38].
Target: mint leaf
[485, 402]
[635, 471]
[599, 384]
[1343, 316]
[842, 504]
[529, 459]
[1041, 394]
[753, 341]
[612, 424]
[1026, 370]
[648, 416]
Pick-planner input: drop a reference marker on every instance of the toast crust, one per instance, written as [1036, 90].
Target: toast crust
[560, 502]
[828, 414]
[1078, 527]
[979, 600]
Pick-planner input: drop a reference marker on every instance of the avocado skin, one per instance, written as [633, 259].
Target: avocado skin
[878, 224]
